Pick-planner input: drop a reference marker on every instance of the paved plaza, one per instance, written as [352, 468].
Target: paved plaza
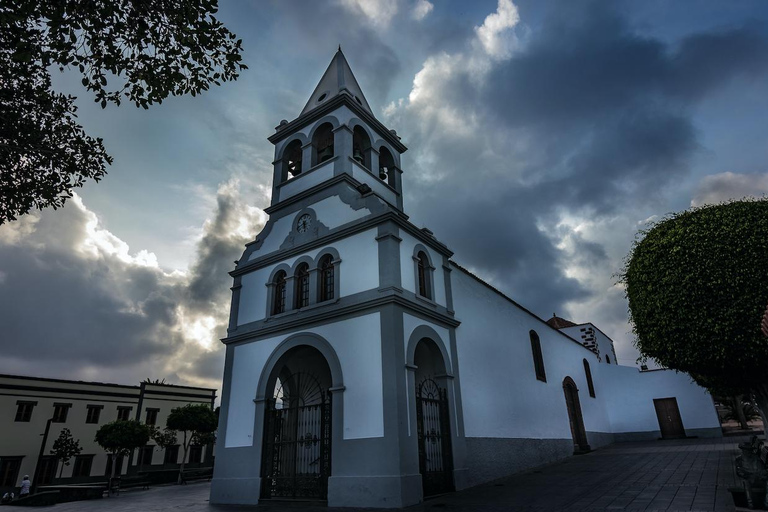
[690, 474]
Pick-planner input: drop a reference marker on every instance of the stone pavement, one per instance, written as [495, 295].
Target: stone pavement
[689, 474]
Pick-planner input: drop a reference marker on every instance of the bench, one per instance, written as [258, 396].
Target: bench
[752, 468]
[196, 474]
[126, 482]
[77, 492]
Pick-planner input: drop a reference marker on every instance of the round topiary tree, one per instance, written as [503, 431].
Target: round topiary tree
[119, 438]
[697, 285]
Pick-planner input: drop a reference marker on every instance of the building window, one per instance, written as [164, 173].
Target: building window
[145, 455]
[82, 466]
[327, 278]
[171, 454]
[47, 472]
[9, 471]
[195, 454]
[94, 411]
[607, 359]
[538, 359]
[278, 305]
[24, 410]
[60, 412]
[423, 275]
[124, 413]
[302, 286]
[151, 418]
[588, 373]
[118, 465]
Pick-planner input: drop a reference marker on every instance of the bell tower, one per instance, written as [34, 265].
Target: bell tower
[341, 330]
[336, 133]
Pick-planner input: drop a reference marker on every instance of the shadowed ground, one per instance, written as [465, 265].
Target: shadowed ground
[689, 474]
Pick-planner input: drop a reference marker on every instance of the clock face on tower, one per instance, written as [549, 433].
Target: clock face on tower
[304, 222]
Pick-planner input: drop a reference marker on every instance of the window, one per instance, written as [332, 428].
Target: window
[94, 411]
[60, 412]
[195, 454]
[145, 455]
[588, 373]
[47, 471]
[118, 465]
[327, 278]
[423, 275]
[151, 416]
[607, 359]
[9, 471]
[278, 305]
[538, 359]
[302, 286]
[124, 413]
[322, 144]
[172, 454]
[82, 465]
[24, 410]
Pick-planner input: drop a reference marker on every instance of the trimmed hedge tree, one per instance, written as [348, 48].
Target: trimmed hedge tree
[121, 437]
[697, 285]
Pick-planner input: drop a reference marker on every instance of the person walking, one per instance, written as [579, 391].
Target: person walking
[25, 485]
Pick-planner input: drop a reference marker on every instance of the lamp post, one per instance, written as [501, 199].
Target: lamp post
[40, 455]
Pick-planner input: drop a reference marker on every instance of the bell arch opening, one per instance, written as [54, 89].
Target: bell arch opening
[322, 144]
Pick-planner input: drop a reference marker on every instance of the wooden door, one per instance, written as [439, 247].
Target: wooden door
[580, 443]
[670, 422]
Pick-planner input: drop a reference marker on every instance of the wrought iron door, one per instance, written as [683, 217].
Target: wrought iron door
[434, 432]
[297, 440]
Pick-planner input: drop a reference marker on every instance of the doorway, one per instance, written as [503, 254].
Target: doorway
[668, 414]
[575, 418]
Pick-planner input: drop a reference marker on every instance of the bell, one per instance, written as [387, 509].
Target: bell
[383, 173]
[325, 154]
[357, 155]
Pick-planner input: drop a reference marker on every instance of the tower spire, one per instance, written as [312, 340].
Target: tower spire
[338, 79]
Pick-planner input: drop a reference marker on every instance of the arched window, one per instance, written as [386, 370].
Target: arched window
[302, 286]
[588, 373]
[292, 159]
[607, 359]
[538, 359]
[322, 144]
[423, 266]
[278, 304]
[387, 166]
[361, 147]
[327, 278]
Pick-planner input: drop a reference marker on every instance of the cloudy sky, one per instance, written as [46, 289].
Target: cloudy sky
[542, 136]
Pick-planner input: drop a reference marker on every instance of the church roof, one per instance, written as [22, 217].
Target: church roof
[559, 323]
[338, 79]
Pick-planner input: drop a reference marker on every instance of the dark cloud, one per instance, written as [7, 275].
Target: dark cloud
[588, 118]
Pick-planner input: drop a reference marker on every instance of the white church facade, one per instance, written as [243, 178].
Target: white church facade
[366, 368]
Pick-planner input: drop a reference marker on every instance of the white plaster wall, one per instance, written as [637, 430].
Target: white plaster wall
[407, 269]
[359, 272]
[357, 343]
[630, 393]
[331, 211]
[307, 180]
[604, 344]
[501, 396]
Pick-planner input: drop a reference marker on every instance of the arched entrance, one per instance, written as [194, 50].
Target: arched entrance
[297, 427]
[433, 419]
[579, 434]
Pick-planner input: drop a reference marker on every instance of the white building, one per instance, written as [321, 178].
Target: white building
[27, 403]
[364, 366]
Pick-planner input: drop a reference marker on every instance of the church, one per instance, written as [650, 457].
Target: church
[366, 367]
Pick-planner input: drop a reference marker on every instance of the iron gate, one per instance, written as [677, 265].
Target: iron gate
[434, 432]
[297, 441]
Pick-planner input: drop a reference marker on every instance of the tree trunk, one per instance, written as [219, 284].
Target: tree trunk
[738, 408]
[61, 470]
[761, 399]
[183, 458]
